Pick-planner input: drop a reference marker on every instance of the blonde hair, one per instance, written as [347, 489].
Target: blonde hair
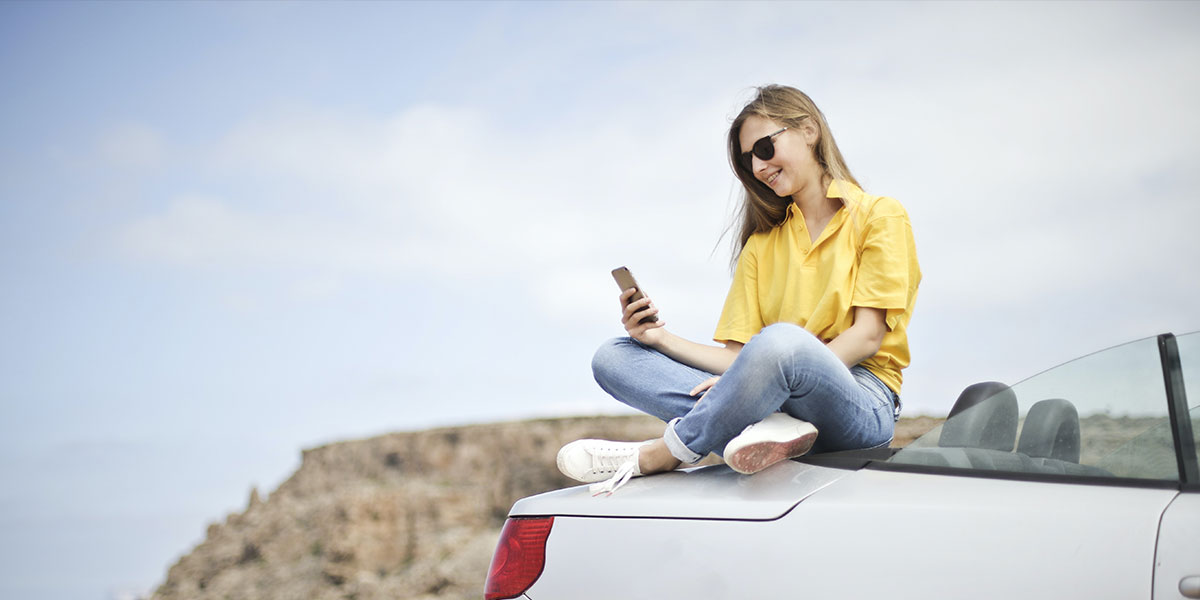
[761, 210]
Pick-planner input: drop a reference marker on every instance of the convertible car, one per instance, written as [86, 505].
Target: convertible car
[1080, 482]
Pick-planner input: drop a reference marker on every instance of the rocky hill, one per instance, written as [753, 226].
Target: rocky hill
[403, 515]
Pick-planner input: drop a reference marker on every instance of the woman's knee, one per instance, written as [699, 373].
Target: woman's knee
[781, 339]
[610, 357]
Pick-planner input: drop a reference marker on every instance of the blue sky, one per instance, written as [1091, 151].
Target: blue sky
[230, 231]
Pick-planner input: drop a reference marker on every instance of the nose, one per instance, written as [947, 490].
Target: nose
[757, 165]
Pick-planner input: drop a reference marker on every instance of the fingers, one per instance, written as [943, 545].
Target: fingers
[704, 385]
[640, 309]
[626, 295]
[636, 317]
[633, 313]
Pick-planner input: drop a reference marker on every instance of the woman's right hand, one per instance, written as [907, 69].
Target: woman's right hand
[633, 314]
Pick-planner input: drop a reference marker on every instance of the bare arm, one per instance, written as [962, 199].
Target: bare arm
[863, 339]
[714, 359]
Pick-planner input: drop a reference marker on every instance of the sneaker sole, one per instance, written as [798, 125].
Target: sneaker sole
[757, 456]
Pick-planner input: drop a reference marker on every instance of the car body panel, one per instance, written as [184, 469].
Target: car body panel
[877, 534]
[1177, 561]
[715, 492]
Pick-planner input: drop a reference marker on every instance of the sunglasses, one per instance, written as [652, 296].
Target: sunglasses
[764, 149]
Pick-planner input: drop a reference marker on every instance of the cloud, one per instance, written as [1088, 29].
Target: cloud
[441, 191]
[207, 232]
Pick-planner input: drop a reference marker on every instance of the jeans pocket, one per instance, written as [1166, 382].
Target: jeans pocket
[880, 393]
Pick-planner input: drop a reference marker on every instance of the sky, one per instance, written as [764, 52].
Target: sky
[231, 231]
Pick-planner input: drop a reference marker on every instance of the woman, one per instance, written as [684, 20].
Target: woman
[814, 329]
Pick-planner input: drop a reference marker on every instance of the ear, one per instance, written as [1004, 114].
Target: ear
[810, 132]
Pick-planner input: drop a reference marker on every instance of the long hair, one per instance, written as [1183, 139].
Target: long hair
[761, 210]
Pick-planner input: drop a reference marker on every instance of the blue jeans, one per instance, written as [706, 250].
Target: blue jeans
[783, 368]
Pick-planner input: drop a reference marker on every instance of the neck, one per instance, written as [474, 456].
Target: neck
[813, 202]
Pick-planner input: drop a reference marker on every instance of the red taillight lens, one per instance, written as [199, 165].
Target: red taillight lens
[519, 558]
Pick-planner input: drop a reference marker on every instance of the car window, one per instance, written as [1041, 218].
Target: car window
[1102, 415]
[1189, 356]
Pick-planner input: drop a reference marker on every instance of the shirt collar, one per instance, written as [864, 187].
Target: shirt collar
[844, 190]
[841, 189]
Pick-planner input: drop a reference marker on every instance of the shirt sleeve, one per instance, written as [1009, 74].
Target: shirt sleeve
[887, 275]
[741, 317]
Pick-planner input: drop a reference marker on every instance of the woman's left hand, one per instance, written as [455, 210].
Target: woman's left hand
[704, 385]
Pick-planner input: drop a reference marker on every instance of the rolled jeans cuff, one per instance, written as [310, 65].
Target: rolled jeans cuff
[676, 446]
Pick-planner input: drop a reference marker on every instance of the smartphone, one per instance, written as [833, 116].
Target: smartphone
[625, 281]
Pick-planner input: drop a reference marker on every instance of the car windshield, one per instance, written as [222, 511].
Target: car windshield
[1102, 415]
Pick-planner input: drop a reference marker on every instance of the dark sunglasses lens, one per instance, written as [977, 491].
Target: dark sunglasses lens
[764, 149]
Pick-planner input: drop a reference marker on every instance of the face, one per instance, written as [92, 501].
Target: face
[793, 166]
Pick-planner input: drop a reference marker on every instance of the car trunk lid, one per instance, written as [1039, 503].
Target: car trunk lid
[715, 492]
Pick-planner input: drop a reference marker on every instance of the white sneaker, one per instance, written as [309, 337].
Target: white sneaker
[777, 437]
[592, 461]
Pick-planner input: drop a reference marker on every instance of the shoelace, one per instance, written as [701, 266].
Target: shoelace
[612, 484]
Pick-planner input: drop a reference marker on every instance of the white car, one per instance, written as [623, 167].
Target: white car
[1080, 482]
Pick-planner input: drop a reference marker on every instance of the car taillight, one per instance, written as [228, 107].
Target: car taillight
[519, 558]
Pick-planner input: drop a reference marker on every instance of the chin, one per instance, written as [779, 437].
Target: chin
[778, 189]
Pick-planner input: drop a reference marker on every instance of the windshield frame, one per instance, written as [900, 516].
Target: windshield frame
[1177, 411]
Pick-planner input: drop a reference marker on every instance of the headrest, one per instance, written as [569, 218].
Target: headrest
[984, 416]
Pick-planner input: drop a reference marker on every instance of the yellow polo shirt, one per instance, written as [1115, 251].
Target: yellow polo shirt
[865, 257]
